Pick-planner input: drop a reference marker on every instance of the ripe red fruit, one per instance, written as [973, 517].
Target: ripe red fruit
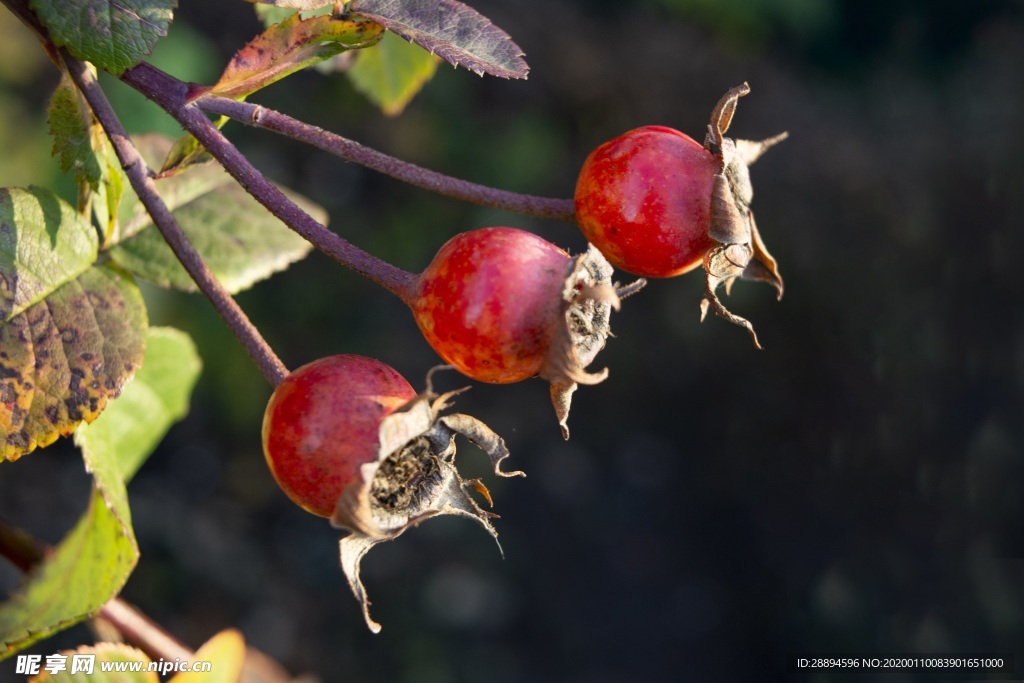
[656, 203]
[644, 200]
[322, 424]
[503, 305]
[489, 301]
[347, 438]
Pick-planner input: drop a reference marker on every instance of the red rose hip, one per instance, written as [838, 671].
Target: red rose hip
[657, 203]
[347, 438]
[502, 305]
[322, 423]
[489, 302]
[644, 200]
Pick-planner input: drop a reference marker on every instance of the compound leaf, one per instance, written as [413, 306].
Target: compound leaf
[391, 72]
[65, 357]
[112, 34]
[451, 29]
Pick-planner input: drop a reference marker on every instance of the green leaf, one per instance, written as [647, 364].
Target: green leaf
[187, 152]
[391, 72]
[112, 34]
[92, 563]
[111, 190]
[63, 358]
[81, 145]
[451, 29]
[43, 244]
[290, 46]
[132, 426]
[275, 15]
[239, 239]
[89, 567]
[70, 123]
[114, 653]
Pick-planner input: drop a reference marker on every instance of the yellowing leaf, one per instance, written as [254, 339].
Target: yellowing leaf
[225, 652]
[132, 426]
[290, 46]
[64, 357]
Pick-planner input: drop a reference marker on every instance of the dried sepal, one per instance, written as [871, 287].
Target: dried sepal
[414, 478]
[588, 297]
[721, 116]
[741, 253]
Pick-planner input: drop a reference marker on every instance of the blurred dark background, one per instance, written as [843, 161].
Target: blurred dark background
[856, 487]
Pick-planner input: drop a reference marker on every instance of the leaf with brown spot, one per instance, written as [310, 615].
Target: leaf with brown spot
[130, 428]
[63, 358]
[292, 45]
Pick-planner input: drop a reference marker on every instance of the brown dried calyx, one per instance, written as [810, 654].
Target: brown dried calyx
[588, 297]
[414, 478]
[740, 252]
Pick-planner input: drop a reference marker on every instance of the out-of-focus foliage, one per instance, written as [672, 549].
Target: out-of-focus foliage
[856, 487]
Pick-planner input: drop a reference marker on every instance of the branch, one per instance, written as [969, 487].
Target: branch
[261, 117]
[171, 95]
[24, 552]
[143, 632]
[135, 168]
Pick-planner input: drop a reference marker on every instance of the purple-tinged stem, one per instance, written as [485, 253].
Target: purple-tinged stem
[136, 170]
[172, 96]
[261, 117]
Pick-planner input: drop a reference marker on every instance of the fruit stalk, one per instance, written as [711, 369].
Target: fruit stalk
[262, 117]
[138, 176]
[171, 95]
